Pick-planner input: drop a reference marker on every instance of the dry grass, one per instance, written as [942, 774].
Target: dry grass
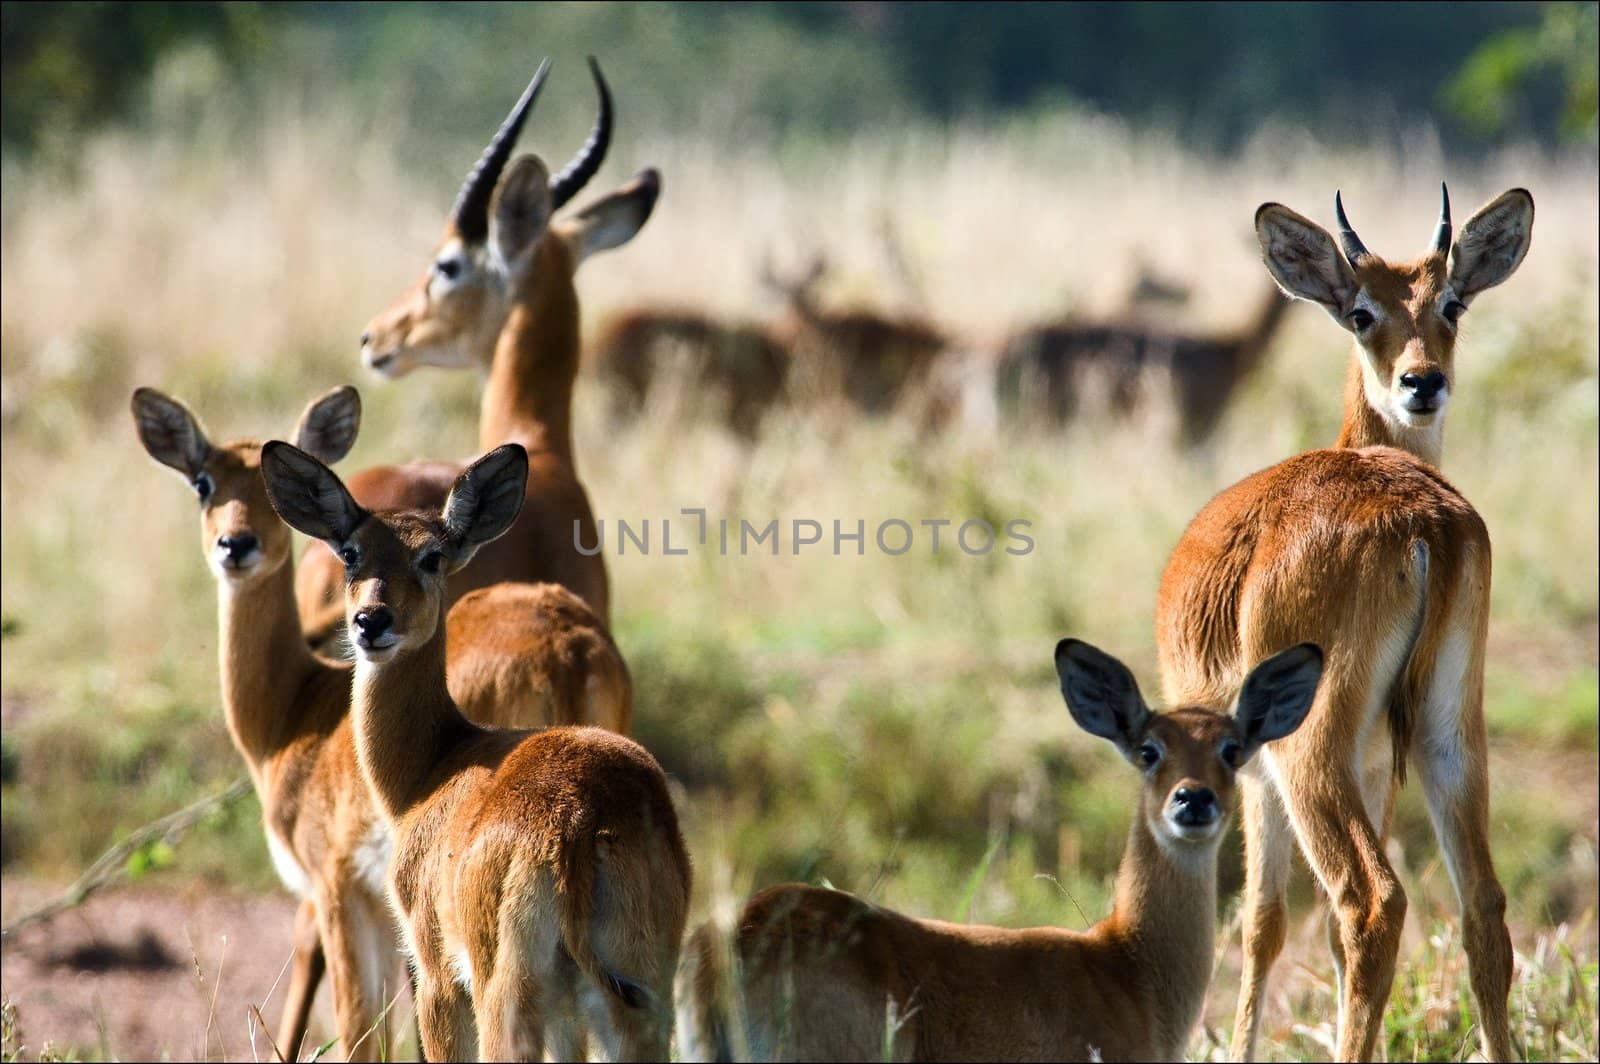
[875, 719]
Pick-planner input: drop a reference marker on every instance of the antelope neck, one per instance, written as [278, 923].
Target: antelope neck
[1165, 917]
[528, 397]
[264, 663]
[405, 721]
[1365, 427]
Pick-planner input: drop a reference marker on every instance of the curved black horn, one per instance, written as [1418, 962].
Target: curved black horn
[1443, 233]
[577, 173]
[471, 212]
[1354, 249]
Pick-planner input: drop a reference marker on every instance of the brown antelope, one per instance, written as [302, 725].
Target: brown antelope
[531, 656]
[539, 876]
[498, 295]
[1044, 365]
[1369, 552]
[870, 359]
[743, 367]
[823, 975]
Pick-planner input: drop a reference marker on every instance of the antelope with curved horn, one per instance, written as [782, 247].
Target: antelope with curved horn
[524, 656]
[499, 295]
[823, 975]
[1369, 552]
[539, 877]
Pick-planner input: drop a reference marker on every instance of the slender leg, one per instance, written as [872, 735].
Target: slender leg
[358, 968]
[1369, 905]
[304, 976]
[444, 1016]
[1269, 849]
[1451, 756]
[509, 1014]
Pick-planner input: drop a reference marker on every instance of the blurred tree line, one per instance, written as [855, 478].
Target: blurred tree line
[1213, 72]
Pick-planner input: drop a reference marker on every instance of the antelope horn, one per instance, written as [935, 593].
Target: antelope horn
[1354, 249]
[577, 173]
[1443, 232]
[471, 212]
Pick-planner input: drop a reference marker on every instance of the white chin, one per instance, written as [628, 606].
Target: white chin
[1412, 419]
[1193, 834]
[378, 655]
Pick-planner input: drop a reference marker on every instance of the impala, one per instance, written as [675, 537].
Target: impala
[498, 295]
[1369, 552]
[1047, 363]
[539, 877]
[288, 711]
[823, 975]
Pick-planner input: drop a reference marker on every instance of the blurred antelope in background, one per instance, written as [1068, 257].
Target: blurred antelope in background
[1369, 552]
[539, 877]
[1046, 366]
[498, 296]
[822, 975]
[870, 359]
[520, 657]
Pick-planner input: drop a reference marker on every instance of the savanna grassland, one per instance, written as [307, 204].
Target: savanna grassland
[890, 725]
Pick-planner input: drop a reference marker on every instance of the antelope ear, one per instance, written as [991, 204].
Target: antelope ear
[169, 432]
[1492, 244]
[485, 501]
[615, 219]
[1304, 260]
[520, 211]
[1101, 694]
[308, 495]
[1277, 696]
[327, 430]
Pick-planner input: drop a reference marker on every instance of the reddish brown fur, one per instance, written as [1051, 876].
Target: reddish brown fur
[550, 860]
[288, 712]
[824, 975]
[1373, 555]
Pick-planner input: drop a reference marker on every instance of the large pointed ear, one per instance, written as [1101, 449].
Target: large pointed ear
[1492, 244]
[1304, 260]
[1276, 697]
[307, 494]
[327, 430]
[1102, 695]
[170, 433]
[485, 501]
[615, 219]
[520, 211]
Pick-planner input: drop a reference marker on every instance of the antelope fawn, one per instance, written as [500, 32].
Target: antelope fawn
[288, 710]
[499, 295]
[539, 877]
[823, 975]
[1368, 551]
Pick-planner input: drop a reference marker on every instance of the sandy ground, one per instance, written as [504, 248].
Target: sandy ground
[152, 972]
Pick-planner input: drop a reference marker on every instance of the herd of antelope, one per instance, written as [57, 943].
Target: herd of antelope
[460, 809]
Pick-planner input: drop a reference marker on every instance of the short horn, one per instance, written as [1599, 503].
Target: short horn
[1443, 232]
[570, 181]
[471, 212]
[1354, 249]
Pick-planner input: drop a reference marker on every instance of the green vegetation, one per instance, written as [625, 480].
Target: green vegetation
[888, 725]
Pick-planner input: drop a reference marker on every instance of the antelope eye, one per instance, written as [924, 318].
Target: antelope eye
[1149, 754]
[431, 562]
[449, 269]
[1360, 320]
[1453, 311]
[204, 487]
[350, 556]
[1229, 752]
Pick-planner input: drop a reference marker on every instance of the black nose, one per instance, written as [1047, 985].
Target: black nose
[366, 338]
[374, 622]
[237, 546]
[1196, 805]
[1423, 387]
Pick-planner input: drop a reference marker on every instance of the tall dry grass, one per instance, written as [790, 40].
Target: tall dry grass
[879, 720]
